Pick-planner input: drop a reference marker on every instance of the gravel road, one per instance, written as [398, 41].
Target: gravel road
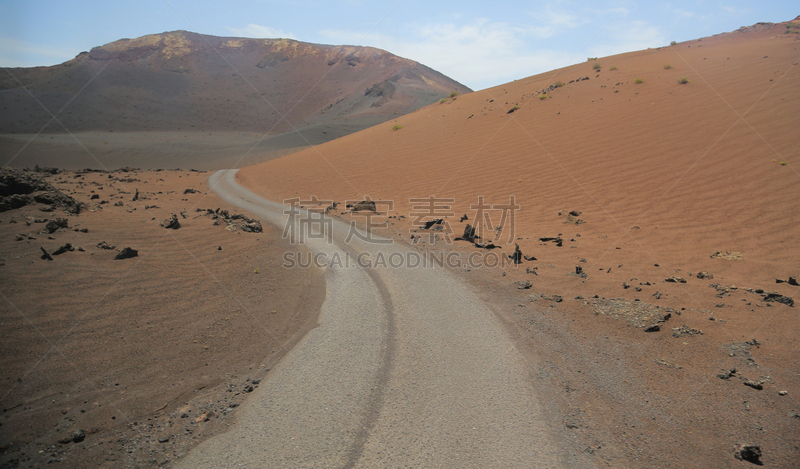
[407, 368]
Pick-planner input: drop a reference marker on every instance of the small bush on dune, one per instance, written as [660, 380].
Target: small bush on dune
[396, 127]
[673, 43]
[683, 81]
[543, 96]
[443, 100]
[667, 67]
[453, 94]
[638, 81]
[613, 68]
[597, 66]
[558, 84]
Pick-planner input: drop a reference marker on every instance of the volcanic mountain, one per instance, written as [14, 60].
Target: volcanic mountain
[186, 81]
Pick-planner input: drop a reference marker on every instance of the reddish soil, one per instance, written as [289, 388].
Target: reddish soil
[163, 345]
[664, 174]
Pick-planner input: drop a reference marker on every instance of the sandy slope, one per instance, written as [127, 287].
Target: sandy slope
[664, 175]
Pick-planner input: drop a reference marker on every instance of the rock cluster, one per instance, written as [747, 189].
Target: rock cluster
[19, 188]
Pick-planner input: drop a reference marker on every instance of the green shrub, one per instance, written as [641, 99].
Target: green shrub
[453, 94]
[683, 81]
[396, 127]
[543, 96]
[443, 100]
[597, 66]
[783, 163]
[668, 66]
[613, 68]
[558, 84]
[673, 43]
[638, 81]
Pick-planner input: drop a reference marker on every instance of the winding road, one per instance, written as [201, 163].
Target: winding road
[407, 368]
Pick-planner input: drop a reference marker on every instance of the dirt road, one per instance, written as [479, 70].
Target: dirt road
[407, 367]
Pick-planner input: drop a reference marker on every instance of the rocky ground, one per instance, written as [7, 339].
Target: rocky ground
[651, 365]
[138, 312]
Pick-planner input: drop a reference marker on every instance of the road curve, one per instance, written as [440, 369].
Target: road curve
[407, 368]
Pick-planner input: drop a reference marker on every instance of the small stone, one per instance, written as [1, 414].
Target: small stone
[754, 384]
[783, 393]
[65, 248]
[523, 284]
[54, 225]
[469, 233]
[748, 452]
[516, 256]
[163, 439]
[171, 223]
[769, 297]
[127, 253]
[45, 255]
[685, 330]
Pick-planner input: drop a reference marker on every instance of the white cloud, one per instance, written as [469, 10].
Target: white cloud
[554, 22]
[484, 53]
[735, 10]
[17, 53]
[479, 54]
[258, 31]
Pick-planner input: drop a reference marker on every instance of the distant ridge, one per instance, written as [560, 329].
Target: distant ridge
[186, 81]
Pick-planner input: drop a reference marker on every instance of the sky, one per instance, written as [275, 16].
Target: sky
[474, 42]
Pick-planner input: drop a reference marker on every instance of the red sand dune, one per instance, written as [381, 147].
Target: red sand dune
[664, 174]
[696, 166]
